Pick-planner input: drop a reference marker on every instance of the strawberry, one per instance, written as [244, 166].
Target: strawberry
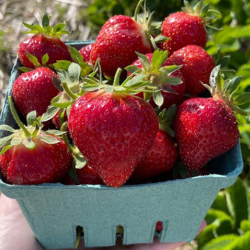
[85, 52]
[206, 127]
[45, 41]
[112, 129]
[29, 88]
[197, 66]
[162, 155]
[185, 28]
[32, 156]
[154, 67]
[118, 40]
[86, 175]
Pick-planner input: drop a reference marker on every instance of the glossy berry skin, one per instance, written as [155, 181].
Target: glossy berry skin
[117, 42]
[85, 52]
[183, 29]
[197, 66]
[46, 163]
[113, 131]
[86, 175]
[158, 160]
[34, 90]
[39, 45]
[205, 128]
[169, 98]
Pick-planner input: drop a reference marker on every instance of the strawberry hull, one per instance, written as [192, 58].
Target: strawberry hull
[54, 211]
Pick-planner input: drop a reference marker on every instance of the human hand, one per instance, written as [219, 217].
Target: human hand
[16, 234]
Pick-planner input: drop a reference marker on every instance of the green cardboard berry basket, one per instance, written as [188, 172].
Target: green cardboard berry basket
[54, 211]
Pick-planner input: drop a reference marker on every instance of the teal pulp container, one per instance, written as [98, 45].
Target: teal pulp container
[54, 211]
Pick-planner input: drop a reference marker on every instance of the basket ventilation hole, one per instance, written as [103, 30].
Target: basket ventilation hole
[79, 235]
[158, 228]
[119, 233]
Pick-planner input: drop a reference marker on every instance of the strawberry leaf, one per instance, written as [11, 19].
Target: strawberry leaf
[61, 102]
[168, 70]
[49, 139]
[158, 98]
[119, 88]
[159, 58]
[5, 149]
[50, 113]
[234, 84]
[132, 69]
[45, 20]
[216, 79]
[45, 59]
[59, 27]
[33, 60]
[133, 81]
[171, 80]
[242, 99]
[31, 117]
[145, 61]
[55, 132]
[74, 73]
[160, 39]
[16, 141]
[5, 140]
[109, 88]
[80, 161]
[28, 143]
[73, 175]
[6, 128]
[62, 64]
[75, 54]
[57, 83]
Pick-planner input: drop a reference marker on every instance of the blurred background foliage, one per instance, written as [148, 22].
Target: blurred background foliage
[229, 217]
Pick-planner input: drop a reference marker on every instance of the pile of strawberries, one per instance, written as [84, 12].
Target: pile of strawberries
[128, 109]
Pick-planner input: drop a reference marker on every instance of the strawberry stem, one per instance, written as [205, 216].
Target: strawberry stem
[65, 138]
[68, 91]
[137, 9]
[16, 117]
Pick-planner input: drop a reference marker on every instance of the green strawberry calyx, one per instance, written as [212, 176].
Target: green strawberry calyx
[69, 86]
[26, 135]
[131, 85]
[151, 28]
[165, 118]
[46, 29]
[35, 62]
[158, 76]
[86, 68]
[202, 11]
[226, 90]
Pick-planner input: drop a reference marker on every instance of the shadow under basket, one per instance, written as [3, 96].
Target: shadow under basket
[55, 211]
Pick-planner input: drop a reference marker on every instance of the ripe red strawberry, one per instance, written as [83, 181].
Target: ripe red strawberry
[29, 91]
[158, 160]
[206, 127]
[197, 66]
[113, 130]
[45, 41]
[119, 39]
[86, 175]
[155, 72]
[185, 28]
[31, 156]
[85, 52]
